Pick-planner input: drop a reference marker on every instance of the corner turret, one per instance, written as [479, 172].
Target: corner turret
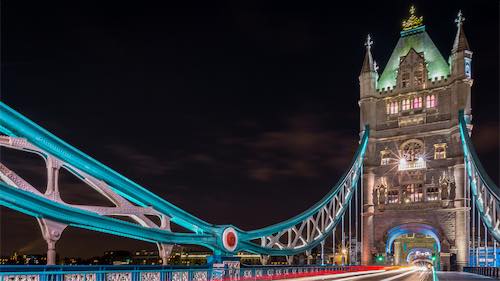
[368, 76]
[461, 55]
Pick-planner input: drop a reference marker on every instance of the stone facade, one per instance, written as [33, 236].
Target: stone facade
[414, 171]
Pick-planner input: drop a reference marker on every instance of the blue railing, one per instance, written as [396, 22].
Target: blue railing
[167, 273]
[486, 271]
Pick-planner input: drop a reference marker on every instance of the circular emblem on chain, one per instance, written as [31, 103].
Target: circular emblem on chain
[230, 239]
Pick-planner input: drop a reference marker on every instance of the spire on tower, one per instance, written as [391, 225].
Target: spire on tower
[461, 42]
[368, 63]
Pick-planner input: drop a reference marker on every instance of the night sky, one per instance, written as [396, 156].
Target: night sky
[238, 113]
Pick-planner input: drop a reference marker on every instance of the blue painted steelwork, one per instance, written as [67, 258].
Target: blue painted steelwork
[484, 191]
[492, 255]
[209, 235]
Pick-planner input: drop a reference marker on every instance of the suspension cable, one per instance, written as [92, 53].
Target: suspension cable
[478, 236]
[350, 228]
[474, 230]
[356, 224]
[333, 247]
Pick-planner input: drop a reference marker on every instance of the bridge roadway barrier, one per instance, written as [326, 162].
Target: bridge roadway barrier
[486, 271]
[167, 273]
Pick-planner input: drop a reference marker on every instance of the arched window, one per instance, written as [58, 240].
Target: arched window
[405, 80]
[405, 104]
[430, 101]
[413, 193]
[411, 150]
[394, 107]
[412, 155]
[417, 102]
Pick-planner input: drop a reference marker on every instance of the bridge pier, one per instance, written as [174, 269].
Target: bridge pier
[462, 233]
[164, 251]
[264, 259]
[368, 209]
[51, 232]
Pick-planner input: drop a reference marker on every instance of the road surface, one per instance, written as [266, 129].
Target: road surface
[407, 274]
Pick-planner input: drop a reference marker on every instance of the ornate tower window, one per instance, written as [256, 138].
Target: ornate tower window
[430, 101]
[393, 107]
[385, 156]
[419, 74]
[413, 193]
[405, 104]
[417, 102]
[405, 79]
[440, 151]
[393, 196]
[432, 194]
[412, 155]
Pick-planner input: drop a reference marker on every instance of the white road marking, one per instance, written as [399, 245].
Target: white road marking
[400, 275]
[335, 276]
[375, 274]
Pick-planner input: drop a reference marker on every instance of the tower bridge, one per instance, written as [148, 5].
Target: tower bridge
[415, 190]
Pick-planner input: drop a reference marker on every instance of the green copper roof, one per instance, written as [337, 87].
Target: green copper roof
[419, 40]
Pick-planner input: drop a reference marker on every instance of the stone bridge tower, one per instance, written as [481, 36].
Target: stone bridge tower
[414, 170]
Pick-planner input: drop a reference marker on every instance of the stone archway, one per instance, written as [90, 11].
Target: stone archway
[409, 228]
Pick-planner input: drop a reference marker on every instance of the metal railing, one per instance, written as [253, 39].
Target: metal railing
[165, 273]
[486, 271]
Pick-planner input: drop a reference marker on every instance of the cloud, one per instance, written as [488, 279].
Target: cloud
[143, 163]
[303, 148]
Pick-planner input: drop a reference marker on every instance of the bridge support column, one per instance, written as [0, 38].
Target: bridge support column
[367, 216]
[164, 251]
[264, 259]
[462, 233]
[52, 190]
[289, 260]
[322, 252]
[51, 232]
[308, 257]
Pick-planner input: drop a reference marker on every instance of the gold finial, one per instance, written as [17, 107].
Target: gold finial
[413, 21]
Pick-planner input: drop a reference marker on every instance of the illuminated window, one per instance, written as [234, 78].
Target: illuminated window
[430, 101]
[440, 151]
[393, 197]
[417, 102]
[385, 156]
[413, 193]
[405, 104]
[432, 194]
[394, 108]
[405, 79]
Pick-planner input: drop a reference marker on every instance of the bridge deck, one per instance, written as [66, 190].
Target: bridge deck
[397, 275]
